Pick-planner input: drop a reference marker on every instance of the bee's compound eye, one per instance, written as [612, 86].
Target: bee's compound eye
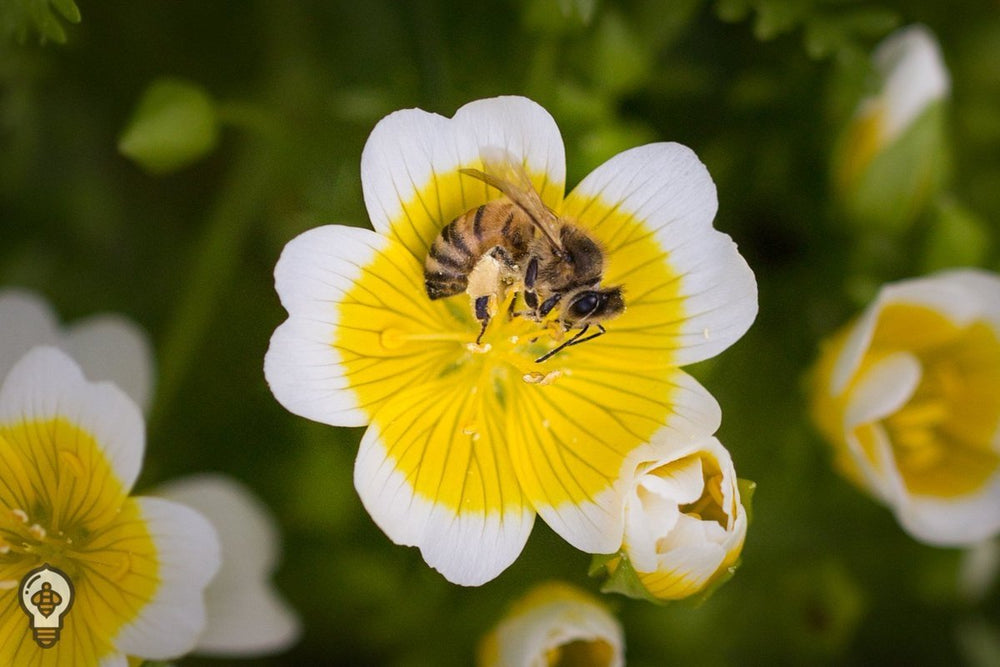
[584, 305]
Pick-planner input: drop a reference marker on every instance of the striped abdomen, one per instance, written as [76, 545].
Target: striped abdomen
[464, 240]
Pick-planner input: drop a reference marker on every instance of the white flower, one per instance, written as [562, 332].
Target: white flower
[70, 451]
[554, 624]
[684, 522]
[466, 443]
[245, 614]
[909, 397]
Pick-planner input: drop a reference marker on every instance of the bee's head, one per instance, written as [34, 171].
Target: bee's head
[591, 306]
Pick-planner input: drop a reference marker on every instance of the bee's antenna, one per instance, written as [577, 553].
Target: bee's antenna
[575, 340]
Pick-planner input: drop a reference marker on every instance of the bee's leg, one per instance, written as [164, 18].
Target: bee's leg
[530, 275]
[483, 315]
[511, 312]
[575, 340]
[500, 254]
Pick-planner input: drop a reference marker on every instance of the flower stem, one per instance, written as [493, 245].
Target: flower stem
[215, 259]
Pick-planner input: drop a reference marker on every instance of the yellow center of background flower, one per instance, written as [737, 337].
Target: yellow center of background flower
[61, 503]
[943, 436]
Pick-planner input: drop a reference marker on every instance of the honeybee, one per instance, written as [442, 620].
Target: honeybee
[518, 243]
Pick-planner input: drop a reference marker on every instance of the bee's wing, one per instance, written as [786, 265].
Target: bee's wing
[503, 172]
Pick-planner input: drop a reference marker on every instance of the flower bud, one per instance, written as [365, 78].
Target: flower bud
[892, 157]
[554, 624]
[684, 525]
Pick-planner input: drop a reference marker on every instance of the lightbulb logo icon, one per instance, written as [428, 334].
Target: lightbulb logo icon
[46, 596]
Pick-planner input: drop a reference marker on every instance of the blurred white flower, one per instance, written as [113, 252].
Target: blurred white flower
[554, 624]
[107, 346]
[245, 614]
[132, 568]
[909, 397]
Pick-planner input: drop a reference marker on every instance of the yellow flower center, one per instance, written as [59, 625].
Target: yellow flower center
[481, 427]
[580, 653]
[61, 504]
[943, 436]
[711, 505]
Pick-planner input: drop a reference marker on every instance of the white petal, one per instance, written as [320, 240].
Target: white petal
[884, 388]
[878, 466]
[26, 321]
[245, 614]
[114, 660]
[111, 347]
[408, 149]
[46, 384]
[958, 522]
[978, 569]
[468, 548]
[681, 483]
[188, 553]
[667, 188]
[107, 347]
[961, 295]
[302, 366]
[914, 76]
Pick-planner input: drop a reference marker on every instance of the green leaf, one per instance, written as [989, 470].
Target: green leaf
[174, 125]
[18, 18]
[68, 9]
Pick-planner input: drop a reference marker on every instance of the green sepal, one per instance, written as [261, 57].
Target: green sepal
[174, 125]
[621, 577]
[893, 189]
[747, 488]
[625, 580]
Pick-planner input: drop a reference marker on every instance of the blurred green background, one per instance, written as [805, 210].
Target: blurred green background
[758, 88]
